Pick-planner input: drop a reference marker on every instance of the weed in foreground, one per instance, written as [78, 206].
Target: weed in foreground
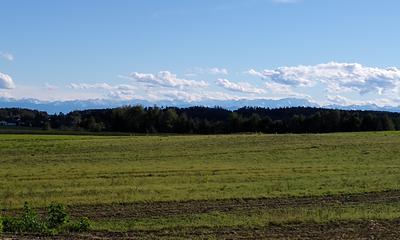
[29, 221]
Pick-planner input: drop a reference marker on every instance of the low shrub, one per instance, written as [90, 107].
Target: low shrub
[57, 215]
[28, 222]
[57, 221]
[9, 224]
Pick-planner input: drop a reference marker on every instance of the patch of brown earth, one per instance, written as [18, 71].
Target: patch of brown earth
[162, 209]
[389, 229]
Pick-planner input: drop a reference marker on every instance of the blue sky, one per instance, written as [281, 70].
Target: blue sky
[327, 51]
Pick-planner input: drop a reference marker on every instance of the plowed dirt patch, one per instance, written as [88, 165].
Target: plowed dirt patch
[337, 230]
[163, 209]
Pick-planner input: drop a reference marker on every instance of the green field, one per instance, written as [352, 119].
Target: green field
[107, 170]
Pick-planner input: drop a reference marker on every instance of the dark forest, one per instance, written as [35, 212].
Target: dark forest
[204, 120]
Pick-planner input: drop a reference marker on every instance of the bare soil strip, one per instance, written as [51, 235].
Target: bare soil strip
[363, 229]
[337, 230]
[163, 209]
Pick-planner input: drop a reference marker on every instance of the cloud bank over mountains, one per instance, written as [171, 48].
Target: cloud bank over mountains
[325, 84]
[338, 77]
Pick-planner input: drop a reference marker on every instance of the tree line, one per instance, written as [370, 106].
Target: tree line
[205, 120]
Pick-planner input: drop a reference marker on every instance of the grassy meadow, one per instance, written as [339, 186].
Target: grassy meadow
[89, 170]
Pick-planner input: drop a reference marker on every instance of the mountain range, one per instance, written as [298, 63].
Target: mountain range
[67, 106]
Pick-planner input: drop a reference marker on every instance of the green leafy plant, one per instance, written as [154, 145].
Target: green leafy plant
[57, 221]
[57, 215]
[27, 222]
[9, 224]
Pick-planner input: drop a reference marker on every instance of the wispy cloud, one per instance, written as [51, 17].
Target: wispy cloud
[104, 86]
[219, 71]
[278, 88]
[90, 86]
[243, 87]
[50, 87]
[7, 56]
[213, 71]
[119, 91]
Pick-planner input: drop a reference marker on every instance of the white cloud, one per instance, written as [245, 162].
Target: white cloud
[284, 91]
[328, 83]
[340, 100]
[278, 88]
[293, 76]
[6, 82]
[120, 91]
[166, 79]
[122, 94]
[50, 87]
[177, 95]
[218, 71]
[337, 77]
[201, 71]
[238, 87]
[125, 87]
[254, 73]
[7, 56]
[104, 86]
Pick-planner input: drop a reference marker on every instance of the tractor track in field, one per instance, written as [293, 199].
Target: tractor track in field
[367, 229]
[175, 208]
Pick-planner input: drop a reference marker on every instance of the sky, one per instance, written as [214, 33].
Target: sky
[326, 51]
